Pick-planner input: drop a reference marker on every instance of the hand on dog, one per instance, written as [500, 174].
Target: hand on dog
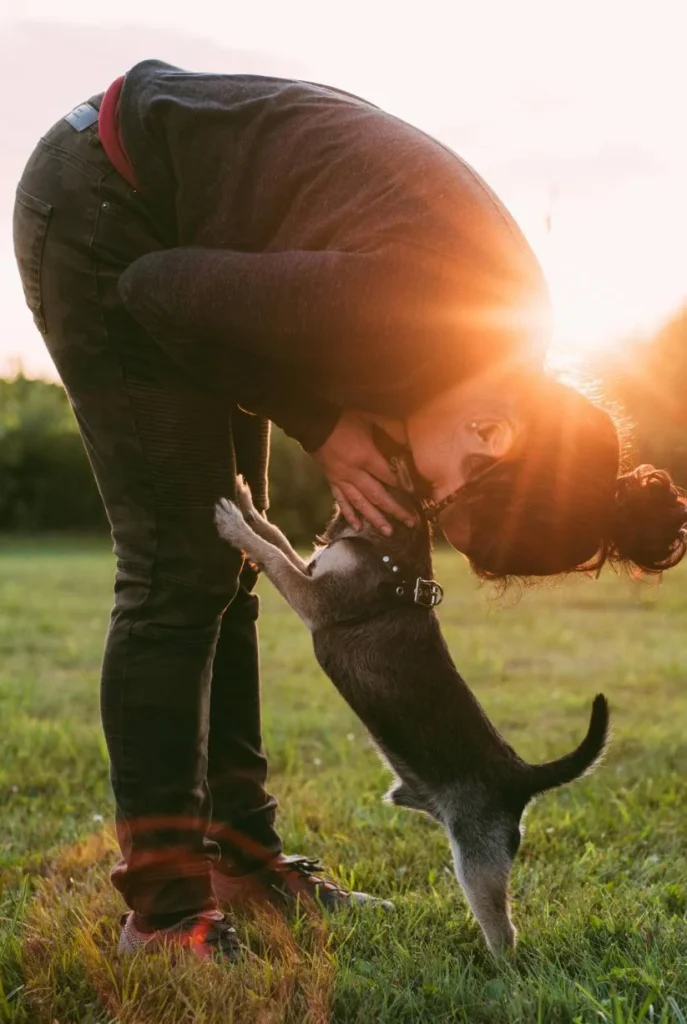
[357, 473]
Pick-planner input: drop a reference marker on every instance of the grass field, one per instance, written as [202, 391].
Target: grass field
[600, 886]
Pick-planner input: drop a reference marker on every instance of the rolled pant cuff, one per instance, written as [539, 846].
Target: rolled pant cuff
[156, 890]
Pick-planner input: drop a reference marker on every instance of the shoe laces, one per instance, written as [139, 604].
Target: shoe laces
[210, 930]
[306, 867]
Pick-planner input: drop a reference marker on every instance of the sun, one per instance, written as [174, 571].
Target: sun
[599, 297]
[578, 341]
[586, 319]
[580, 332]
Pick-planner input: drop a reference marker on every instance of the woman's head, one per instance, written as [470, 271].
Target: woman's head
[555, 500]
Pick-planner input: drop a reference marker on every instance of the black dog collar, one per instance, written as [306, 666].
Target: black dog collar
[403, 589]
[433, 509]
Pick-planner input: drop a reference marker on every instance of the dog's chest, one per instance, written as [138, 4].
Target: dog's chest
[338, 559]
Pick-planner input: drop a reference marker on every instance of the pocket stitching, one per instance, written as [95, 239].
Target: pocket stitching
[44, 211]
[32, 202]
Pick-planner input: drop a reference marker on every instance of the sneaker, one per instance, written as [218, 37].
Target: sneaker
[284, 881]
[208, 935]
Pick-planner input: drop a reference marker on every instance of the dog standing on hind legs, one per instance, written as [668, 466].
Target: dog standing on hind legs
[368, 601]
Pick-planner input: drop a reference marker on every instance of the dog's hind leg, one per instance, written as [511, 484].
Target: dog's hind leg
[299, 590]
[483, 858]
[262, 526]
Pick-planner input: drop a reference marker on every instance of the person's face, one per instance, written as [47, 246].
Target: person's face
[461, 432]
[478, 444]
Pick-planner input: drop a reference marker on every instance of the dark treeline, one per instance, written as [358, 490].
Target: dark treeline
[46, 482]
[46, 485]
[648, 379]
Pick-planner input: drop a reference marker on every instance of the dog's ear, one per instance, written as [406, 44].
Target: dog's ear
[398, 464]
[402, 795]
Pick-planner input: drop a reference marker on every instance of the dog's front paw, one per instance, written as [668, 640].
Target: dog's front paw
[244, 499]
[230, 523]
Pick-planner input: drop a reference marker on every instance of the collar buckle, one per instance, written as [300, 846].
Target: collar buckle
[428, 593]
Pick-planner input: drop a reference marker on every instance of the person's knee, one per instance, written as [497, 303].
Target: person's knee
[187, 581]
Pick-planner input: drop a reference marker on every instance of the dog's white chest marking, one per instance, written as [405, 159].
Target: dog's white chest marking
[339, 559]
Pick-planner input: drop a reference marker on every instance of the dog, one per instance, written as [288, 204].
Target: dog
[369, 603]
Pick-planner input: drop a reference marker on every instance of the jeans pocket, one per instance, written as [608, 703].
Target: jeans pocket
[30, 227]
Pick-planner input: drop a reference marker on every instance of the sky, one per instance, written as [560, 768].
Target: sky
[572, 111]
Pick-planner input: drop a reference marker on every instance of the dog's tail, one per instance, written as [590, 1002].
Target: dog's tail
[540, 777]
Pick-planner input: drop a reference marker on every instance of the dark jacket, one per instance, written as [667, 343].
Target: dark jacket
[330, 255]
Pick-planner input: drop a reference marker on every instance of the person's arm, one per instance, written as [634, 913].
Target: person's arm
[255, 321]
[343, 318]
[341, 442]
[361, 329]
[164, 295]
[301, 413]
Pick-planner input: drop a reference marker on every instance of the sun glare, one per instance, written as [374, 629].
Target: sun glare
[577, 338]
[602, 287]
[586, 317]
[579, 333]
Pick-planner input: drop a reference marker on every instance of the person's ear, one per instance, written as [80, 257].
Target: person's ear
[493, 437]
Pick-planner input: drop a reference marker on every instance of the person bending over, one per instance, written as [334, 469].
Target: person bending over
[204, 254]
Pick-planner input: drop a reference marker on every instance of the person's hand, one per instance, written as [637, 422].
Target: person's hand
[357, 473]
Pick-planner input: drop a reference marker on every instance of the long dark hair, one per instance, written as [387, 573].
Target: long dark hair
[564, 504]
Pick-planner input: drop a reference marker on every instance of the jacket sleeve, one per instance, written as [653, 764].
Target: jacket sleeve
[227, 317]
[382, 329]
[341, 321]
[303, 415]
